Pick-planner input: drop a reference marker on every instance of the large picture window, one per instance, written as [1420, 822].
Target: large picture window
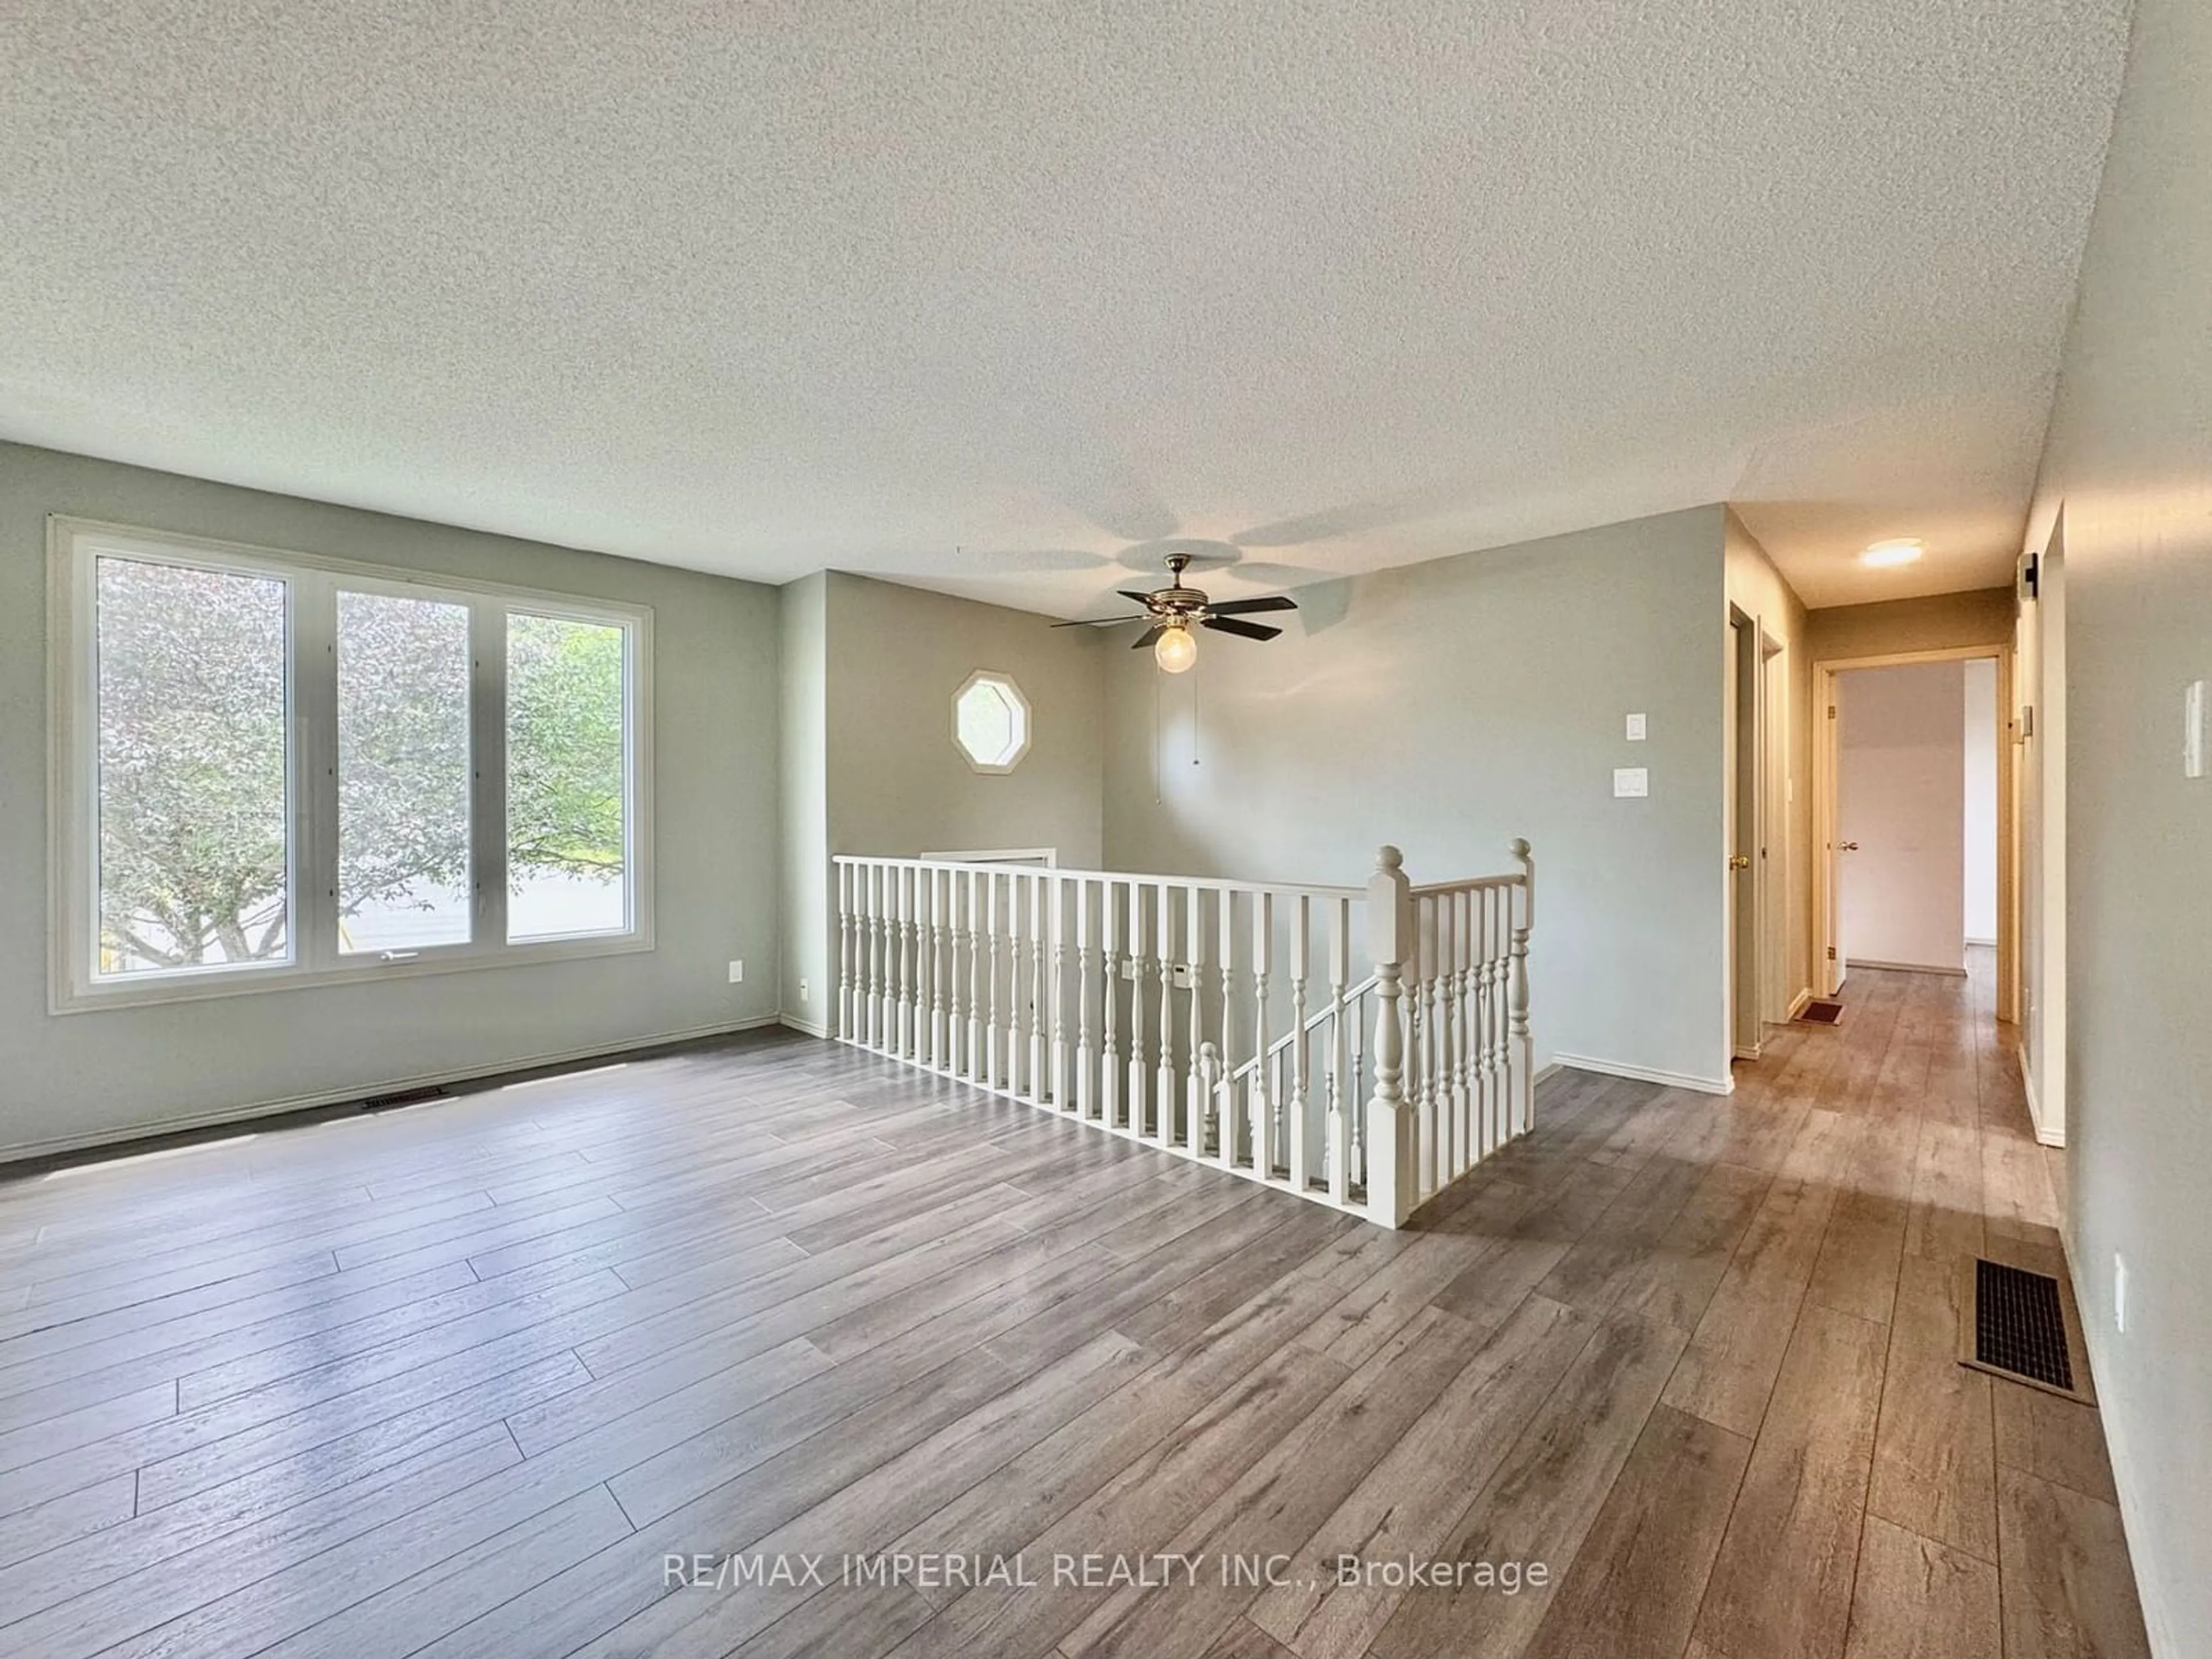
[274, 770]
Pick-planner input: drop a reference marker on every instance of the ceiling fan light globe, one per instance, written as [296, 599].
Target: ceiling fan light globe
[1175, 650]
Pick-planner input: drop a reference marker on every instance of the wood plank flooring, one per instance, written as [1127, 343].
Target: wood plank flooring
[504, 1374]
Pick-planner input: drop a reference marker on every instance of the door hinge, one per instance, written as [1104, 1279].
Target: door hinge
[1832, 711]
[1831, 953]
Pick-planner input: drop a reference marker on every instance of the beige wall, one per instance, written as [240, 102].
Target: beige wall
[1757, 589]
[1448, 707]
[2128, 456]
[118, 1071]
[1939, 622]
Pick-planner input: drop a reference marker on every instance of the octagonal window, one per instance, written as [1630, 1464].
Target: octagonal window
[991, 722]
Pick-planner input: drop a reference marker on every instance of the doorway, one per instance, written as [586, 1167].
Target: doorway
[1914, 822]
[1757, 875]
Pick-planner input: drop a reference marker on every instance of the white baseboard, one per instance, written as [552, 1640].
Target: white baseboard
[2044, 1134]
[1707, 1086]
[1989, 944]
[809, 1027]
[2120, 1452]
[1908, 967]
[227, 1114]
[1543, 1071]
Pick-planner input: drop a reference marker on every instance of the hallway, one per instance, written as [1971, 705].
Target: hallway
[1986, 1505]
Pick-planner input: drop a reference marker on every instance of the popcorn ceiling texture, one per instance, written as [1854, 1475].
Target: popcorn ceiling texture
[995, 298]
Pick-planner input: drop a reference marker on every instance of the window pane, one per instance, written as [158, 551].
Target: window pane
[567, 836]
[403, 773]
[194, 844]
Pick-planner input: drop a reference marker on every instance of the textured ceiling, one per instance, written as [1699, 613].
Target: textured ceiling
[996, 297]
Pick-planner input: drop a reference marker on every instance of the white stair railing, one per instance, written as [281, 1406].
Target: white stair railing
[1216, 1019]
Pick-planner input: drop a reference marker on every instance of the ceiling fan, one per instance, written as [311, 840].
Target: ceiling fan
[1171, 610]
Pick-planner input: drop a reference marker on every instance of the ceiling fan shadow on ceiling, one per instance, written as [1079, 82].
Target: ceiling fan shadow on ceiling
[1171, 611]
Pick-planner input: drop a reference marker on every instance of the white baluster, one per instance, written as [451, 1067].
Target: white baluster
[1301, 946]
[1164, 1096]
[1063, 1093]
[1266, 1086]
[1039, 1002]
[1195, 1090]
[876, 874]
[1501, 1085]
[1524, 1099]
[1228, 1129]
[940, 1052]
[843, 875]
[956, 1011]
[1109, 973]
[974, 1057]
[1341, 1098]
[1139, 1082]
[903, 960]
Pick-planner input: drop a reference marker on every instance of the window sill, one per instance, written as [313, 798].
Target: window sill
[266, 982]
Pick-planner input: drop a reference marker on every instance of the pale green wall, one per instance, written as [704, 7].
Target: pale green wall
[2130, 456]
[1448, 707]
[102, 1074]
[803, 763]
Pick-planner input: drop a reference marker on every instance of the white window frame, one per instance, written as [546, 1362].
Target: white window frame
[1003, 682]
[74, 547]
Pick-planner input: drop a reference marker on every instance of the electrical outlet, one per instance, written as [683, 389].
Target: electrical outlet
[1632, 782]
[2119, 1293]
[737, 973]
[802, 990]
[1636, 728]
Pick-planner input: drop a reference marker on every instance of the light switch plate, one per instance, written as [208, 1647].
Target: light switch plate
[737, 973]
[1631, 781]
[1636, 728]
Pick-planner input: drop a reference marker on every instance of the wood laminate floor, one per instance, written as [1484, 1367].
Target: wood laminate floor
[492, 1376]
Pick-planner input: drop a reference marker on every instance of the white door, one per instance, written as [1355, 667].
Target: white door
[1900, 816]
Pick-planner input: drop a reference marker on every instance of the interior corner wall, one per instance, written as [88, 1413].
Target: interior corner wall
[1757, 588]
[2125, 457]
[82, 1078]
[802, 762]
[892, 781]
[1447, 707]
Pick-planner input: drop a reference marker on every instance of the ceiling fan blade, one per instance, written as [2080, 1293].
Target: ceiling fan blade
[1098, 622]
[1245, 607]
[1152, 634]
[1145, 599]
[1243, 630]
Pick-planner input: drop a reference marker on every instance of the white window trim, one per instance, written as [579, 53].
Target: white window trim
[1004, 682]
[73, 545]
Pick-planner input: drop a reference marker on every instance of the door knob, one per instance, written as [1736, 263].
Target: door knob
[1851, 846]
[1740, 861]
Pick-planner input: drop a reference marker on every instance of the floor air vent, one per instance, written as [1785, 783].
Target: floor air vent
[1821, 1011]
[392, 1102]
[2020, 1325]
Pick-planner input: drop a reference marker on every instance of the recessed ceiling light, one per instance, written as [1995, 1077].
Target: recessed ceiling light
[1904, 550]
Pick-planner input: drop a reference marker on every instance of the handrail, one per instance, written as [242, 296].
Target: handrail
[1143, 879]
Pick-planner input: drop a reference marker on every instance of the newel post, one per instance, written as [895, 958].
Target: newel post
[1391, 1152]
[1525, 1104]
